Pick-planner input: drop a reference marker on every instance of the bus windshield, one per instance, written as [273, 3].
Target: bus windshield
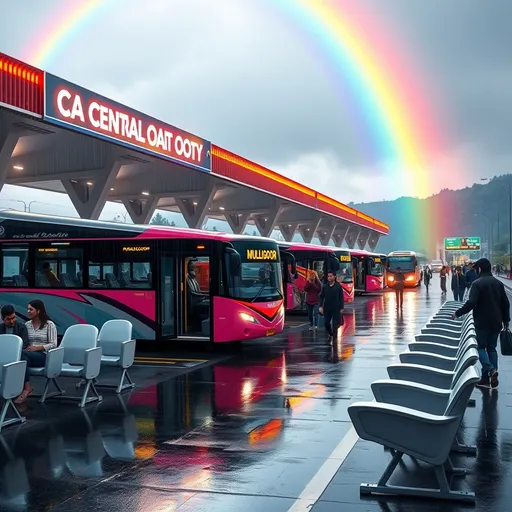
[344, 273]
[406, 263]
[376, 267]
[259, 278]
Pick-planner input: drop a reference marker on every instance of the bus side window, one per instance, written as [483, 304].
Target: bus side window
[59, 265]
[125, 267]
[15, 266]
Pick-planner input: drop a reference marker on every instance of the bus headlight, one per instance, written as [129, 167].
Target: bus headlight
[248, 318]
[391, 278]
[410, 278]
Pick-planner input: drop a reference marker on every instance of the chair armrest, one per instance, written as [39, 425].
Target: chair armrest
[127, 353]
[428, 375]
[13, 379]
[92, 362]
[54, 362]
[426, 359]
[436, 338]
[411, 394]
[433, 348]
[423, 436]
[443, 331]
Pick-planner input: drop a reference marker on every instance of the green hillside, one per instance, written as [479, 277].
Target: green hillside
[416, 224]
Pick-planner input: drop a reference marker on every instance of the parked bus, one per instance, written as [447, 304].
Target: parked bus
[368, 271]
[90, 272]
[409, 265]
[298, 260]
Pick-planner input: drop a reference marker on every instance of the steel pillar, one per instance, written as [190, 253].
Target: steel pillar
[195, 209]
[8, 140]
[373, 240]
[364, 234]
[340, 233]
[141, 210]
[237, 221]
[89, 196]
[288, 231]
[352, 235]
[325, 233]
[308, 230]
[266, 223]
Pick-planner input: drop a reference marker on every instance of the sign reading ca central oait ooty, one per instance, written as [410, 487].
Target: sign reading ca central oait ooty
[72, 106]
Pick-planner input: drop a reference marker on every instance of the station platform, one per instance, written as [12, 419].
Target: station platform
[263, 429]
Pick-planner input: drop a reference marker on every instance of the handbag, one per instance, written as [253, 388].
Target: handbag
[506, 342]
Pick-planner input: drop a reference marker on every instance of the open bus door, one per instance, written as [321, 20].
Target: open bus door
[289, 271]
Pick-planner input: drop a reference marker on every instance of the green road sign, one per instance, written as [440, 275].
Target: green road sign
[470, 243]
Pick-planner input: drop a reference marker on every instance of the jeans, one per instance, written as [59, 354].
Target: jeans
[399, 296]
[34, 360]
[458, 294]
[332, 320]
[487, 343]
[312, 314]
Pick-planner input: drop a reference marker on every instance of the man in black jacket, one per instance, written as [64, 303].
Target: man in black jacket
[332, 303]
[458, 284]
[11, 325]
[491, 312]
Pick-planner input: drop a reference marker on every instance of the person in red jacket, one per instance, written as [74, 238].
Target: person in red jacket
[312, 289]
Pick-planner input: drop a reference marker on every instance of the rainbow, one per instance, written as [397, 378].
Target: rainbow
[392, 103]
[61, 26]
[380, 80]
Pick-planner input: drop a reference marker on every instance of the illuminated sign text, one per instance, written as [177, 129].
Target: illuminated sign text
[345, 258]
[70, 104]
[261, 255]
[135, 249]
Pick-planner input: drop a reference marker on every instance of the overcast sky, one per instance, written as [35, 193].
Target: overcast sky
[245, 76]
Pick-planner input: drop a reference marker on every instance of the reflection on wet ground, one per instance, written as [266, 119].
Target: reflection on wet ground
[247, 433]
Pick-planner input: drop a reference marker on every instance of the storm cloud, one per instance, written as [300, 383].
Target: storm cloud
[241, 74]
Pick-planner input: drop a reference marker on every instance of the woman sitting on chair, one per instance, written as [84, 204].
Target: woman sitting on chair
[42, 336]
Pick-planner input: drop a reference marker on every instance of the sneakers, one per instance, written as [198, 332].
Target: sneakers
[494, 379]
[488, 383]
[483, 383]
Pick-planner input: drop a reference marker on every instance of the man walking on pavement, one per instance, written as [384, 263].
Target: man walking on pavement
[399, 287]
[332, 303]
[491, 312]
[458, 284]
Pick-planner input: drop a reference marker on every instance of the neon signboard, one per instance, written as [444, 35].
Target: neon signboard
[70, 105]
[462, 244]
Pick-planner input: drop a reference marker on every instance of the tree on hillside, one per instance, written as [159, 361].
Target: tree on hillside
[159, 220]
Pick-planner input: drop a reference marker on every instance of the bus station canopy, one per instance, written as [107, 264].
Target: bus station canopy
[57, 136]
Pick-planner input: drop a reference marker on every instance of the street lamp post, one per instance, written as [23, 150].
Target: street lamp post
[488, 233]
[26, 207]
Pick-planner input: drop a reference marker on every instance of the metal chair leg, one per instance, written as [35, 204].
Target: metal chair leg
[46, 395]
[19, 418]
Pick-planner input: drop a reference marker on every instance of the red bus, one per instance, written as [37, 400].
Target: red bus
[368, 271]
[170, 283]
[298, 260]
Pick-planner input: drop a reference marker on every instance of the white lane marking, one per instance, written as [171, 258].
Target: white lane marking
[317, 485]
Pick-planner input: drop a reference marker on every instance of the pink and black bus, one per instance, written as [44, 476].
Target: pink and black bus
[298, 260]
[368, 270]
[171, 283]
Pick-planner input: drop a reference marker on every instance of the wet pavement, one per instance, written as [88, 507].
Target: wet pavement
[263, 429]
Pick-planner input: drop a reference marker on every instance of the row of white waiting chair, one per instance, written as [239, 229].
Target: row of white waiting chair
[418, 411]
[81, 354]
